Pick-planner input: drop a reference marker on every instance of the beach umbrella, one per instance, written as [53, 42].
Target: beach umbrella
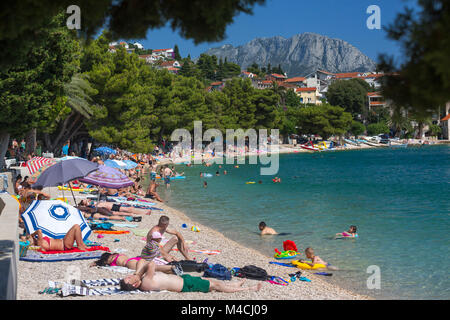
[116, 164]
[130, 164]
[107, 177]
[36, 163]
[65, 171]
[54, 218]
[105, 150]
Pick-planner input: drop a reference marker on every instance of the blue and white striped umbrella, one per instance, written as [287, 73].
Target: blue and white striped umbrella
[115, 164]
[54, 218]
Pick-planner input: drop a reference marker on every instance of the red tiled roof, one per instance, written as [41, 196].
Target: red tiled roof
[266, 81]
[370, 94]
[155, 50]
[305, 89]
[276, 75]
[167, 63]
[376, 102]
[172, 69]
[296, 79]
[144, 56]
[325, 72]
[375, 75]
[348, 75]
[218, 83]
[446, 118]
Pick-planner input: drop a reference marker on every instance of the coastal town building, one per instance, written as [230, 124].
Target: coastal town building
[309, 95]
[444, 122]
[164, 53]
[172, 66]
[375, 101]
[276, 77]
[296, 81]
[246, 74]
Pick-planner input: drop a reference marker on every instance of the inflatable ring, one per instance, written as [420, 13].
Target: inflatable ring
[305, 266]
[290, 254]
[250, 182]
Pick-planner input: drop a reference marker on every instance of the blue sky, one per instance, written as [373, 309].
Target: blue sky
[342, 19]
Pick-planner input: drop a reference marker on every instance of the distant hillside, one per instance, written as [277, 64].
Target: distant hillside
[300, 55]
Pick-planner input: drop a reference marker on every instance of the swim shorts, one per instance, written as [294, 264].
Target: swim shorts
[194, 284]
[115, 207]
[167, 180]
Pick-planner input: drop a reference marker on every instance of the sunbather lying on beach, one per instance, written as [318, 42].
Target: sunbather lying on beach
[265, 229]
[147, 278]
[154, 236]
[104, 207]
[121, 260]
[309, 253]
[67, 243]
[351, 233]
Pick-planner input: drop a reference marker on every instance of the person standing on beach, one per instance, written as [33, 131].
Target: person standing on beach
[65, 148]
[154, 237]
[167, 173]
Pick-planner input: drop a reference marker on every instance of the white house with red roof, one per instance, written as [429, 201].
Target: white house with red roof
[246, 74]
[309, 95]
[164, 53]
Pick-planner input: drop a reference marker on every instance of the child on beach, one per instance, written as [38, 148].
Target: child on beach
[309, 253]
[351, 233]
[265, 229]
[147, 278]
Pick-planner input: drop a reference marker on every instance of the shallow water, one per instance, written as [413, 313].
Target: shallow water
[398, 198]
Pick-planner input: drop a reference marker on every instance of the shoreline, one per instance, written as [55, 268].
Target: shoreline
[34, 276]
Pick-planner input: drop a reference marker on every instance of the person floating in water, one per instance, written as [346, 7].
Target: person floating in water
[265, 229]
[276, 180]
[351, 233]
[309, 253]
[205, 184]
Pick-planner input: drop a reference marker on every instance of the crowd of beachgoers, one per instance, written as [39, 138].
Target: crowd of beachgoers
[162, 249]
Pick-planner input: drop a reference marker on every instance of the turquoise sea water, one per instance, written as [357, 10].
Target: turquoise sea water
[398, 198]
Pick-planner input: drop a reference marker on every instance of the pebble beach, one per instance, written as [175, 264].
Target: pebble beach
[34, 276]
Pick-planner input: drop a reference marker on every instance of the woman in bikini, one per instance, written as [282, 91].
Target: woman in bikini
[121, 260]
[67, 243]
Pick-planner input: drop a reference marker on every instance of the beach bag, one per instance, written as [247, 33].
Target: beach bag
[218, 271]
[252, 272]
[191, 266]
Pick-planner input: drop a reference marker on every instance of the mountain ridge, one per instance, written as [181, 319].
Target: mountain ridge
[299, 55]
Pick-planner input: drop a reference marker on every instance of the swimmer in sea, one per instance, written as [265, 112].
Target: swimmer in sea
[265, 229]
[205, 184]
[351, 233]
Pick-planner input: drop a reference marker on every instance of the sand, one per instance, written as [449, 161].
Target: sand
[34, 276]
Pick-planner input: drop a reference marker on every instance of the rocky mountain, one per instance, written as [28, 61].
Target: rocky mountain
[300, 55]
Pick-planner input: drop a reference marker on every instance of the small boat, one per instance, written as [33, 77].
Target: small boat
[369, 143]
[353, 142]
[309, 146]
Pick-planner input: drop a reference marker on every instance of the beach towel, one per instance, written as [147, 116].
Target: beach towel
[111, 232]
[140, 232]
[36, 256]
[74, 250]
[83, 288]
[118, 269]
[210, 252]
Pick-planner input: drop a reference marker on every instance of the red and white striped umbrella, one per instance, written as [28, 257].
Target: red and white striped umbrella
[36, 163]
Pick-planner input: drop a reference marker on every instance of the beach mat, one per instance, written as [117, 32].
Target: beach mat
[209, 252]
[36, 256]
[74, 250]
[111, 232]
[84, 288]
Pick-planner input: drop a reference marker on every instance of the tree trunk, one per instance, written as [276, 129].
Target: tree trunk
[31, 142]
[4, 141]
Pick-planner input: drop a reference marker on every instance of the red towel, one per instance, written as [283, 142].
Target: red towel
[75, 249]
